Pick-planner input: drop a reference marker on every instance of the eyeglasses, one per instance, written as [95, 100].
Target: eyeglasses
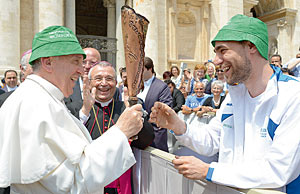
[100, 79]
[90, 62]
[219, 70]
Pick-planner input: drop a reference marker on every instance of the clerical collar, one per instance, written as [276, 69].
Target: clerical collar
[103, 104]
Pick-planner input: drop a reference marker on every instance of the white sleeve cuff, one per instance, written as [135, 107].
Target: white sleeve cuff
[83, 118]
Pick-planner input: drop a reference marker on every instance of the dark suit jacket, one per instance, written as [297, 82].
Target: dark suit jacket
[4, 96]
[178, 100]
[4, 89]
[158, 91]
[1, 91]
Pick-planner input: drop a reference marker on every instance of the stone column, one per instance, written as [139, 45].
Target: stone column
[26, 25]
[173, 54]
[222, 11]
[284, 38]
[9, 35]
[70, 15]
[48, 13]
[205, 32]
[111, 17]
[111, 24]
[156, 39]
[172, 37]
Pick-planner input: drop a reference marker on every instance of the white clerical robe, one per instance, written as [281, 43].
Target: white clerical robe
[45, 149]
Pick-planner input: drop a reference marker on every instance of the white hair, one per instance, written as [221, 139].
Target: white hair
[218, 83]
[24, 60]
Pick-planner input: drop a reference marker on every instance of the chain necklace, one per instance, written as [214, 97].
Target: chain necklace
[110, 118]
[218, 102]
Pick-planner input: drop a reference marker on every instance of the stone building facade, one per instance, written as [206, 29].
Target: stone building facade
[179, 30]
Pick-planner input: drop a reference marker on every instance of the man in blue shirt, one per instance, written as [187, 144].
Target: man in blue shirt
[194, 101]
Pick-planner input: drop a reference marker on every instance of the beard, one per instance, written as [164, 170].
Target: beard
[240, 73]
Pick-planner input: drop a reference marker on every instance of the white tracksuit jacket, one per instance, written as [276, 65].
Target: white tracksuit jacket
[264, 153]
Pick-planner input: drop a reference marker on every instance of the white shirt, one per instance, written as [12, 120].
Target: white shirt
[142, 95]
[81, 86]
[45, 149]
[258, 139]
[11, 89]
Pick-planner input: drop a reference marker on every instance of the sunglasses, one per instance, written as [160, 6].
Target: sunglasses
[220, 70]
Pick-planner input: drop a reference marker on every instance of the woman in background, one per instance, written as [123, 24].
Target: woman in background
[213, 103]
[210, 72]
[176, 75]
[220, 76]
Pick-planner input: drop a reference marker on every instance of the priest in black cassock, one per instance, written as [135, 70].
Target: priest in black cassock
[100, 111]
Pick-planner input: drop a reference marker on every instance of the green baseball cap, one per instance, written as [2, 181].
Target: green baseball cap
[240, 28]
[55, 41]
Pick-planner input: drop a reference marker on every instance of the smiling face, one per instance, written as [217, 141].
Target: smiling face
[232, 58]
[210, 71]
[216, 90]
[199, 89]
[174, 71]
[103, 78]
[219, 73]
[200, 73]
[11, 79]
[65, 72]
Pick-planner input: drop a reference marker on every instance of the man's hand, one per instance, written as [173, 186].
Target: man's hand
[196, 109]
[186, 110]
[293, 64]
[207, 108]
[126, 96]
[191, 167]
[131, 121]
[165, 117]
[89, 94]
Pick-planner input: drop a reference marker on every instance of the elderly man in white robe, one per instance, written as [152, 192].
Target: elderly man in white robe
[43, 148]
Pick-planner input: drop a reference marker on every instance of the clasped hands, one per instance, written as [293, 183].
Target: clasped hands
[199, 111]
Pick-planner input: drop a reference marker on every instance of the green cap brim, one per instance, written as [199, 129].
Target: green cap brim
[230, 35]
[56, 49]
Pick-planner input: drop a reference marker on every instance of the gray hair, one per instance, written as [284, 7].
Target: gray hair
[24, 60]
[218, 83]
[102, 64]
[36, 65]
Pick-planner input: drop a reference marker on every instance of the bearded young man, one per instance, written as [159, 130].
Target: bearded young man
[256, 130]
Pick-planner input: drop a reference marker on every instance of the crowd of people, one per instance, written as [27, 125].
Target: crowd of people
[67, 126]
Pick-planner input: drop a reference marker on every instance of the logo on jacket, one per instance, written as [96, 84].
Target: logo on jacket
[263, 132]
